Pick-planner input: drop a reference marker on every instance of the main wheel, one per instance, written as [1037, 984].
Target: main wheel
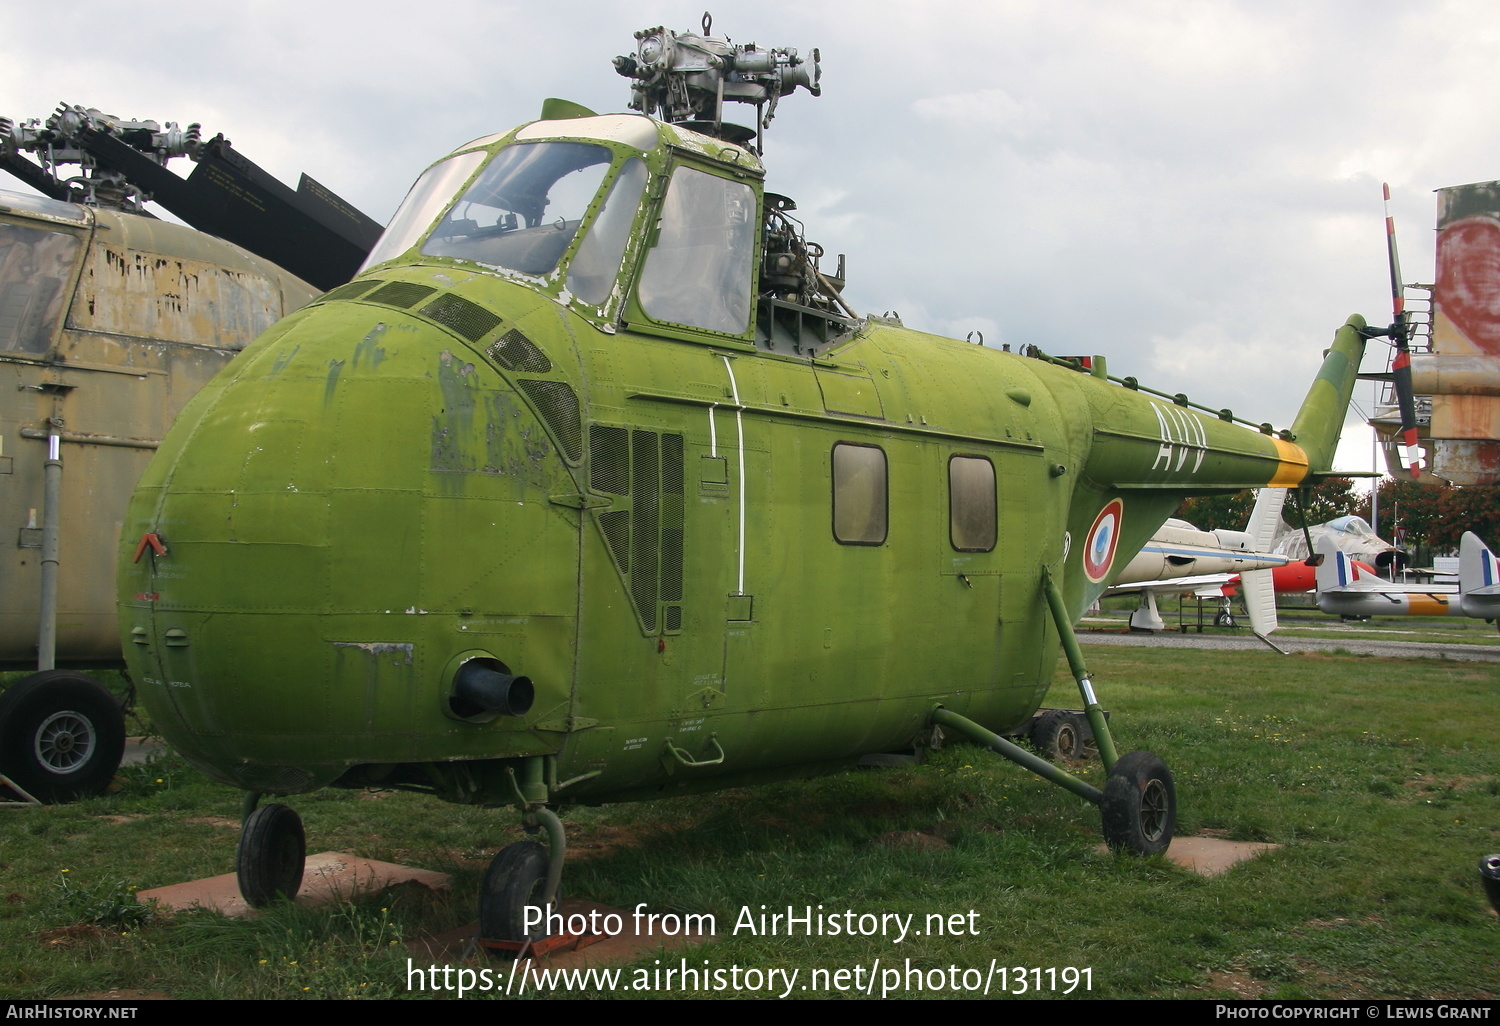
[1059, 735]
[516, 879]
[271, 856]
[1489, 875]
[1140, 805]
[61, 735]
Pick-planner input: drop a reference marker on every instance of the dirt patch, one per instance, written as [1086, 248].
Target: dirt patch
[1239, 984]
[72, 936]
[913, 839]
[120, 820]
[214, 821]
[603, 841]
[1429, 783]
[877, 810]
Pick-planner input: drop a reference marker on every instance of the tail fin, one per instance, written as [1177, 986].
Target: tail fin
[1478, 570]
[1258, 585]
[1321, 418]
[1478, 578]
[1337, 571]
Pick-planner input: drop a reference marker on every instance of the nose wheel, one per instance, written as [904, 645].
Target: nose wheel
[522, 889]
[271, 855]
[515, 884]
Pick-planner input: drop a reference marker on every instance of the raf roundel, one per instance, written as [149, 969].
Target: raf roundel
[1099, 547]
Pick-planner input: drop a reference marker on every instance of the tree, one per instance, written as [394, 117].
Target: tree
[1334, 497]
[1438, 516]
[1207, 512]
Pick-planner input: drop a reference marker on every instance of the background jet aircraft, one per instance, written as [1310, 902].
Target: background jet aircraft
[1209, 563]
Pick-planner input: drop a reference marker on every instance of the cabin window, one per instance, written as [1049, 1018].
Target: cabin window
[597, 261]
[859, 494]
[698, 272]
[35, 268]
[971, 503]
[524, 208]
[433, 192]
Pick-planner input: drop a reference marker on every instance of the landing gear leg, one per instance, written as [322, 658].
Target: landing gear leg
[522, 888]
[1138, 805]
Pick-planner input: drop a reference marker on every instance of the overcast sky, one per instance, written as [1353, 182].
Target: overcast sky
[1190, 188]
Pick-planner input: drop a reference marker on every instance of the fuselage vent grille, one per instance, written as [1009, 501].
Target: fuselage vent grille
[353, 290]
[557, 404]
[645, 539]
[515, 352]
[401, 294]
[470, 320]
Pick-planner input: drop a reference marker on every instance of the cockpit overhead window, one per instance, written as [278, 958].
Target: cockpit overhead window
[35, 267]
[433, 191]
[524, 208]
[699, 271]
[597, 261]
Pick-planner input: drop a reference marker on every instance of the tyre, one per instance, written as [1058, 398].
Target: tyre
[1140, 805]
[271, 856]
[61, 735]
[517, 877]
[1489, 875]
[1061, 736]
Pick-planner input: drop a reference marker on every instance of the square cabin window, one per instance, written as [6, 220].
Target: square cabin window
[971, 503]
[700, 269]
[859, 494]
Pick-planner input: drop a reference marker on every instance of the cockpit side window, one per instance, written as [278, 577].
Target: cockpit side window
[699, 272]
[523, 210]
[433, 191]
[597, 261]
[35, 268]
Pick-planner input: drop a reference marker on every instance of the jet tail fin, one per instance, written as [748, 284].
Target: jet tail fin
[1258, 585]
[1478, 569]
[1478, 578]
[1337, 572]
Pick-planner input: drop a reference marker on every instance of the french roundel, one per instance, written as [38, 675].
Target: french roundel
[1099, 546]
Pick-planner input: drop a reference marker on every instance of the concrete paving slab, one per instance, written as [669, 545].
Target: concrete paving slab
[327, 876]
[1210, 856]
[139, 749]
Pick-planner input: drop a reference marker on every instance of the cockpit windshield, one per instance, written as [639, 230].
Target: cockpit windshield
[525, 207]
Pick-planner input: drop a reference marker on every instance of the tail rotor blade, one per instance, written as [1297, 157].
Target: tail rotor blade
[1401, 333]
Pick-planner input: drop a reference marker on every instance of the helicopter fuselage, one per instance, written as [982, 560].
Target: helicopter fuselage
[461, 513]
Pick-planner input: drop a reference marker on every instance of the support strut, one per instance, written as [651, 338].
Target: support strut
[1091, 707]
[1016, 754]
[46, 645]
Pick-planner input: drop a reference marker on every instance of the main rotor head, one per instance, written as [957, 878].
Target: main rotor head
[684, 78]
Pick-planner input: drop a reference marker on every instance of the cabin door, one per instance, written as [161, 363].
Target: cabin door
[970, 564]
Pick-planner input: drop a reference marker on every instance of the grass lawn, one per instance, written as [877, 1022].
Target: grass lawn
[1379, 779]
